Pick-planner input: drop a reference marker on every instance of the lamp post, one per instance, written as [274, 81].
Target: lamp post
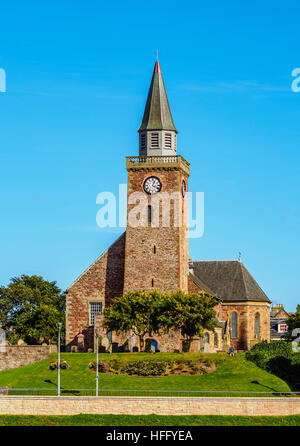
[97, 366]
[59, 324]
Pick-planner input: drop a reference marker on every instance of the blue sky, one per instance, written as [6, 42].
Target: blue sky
[78, 74]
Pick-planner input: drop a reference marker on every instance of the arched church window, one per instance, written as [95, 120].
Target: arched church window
[257, 325]
[234, 319]
[152, 283]
[216, 340]
[206, 338]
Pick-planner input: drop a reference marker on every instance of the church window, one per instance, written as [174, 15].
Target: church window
[95, 307]
[168, 141]
[154, 249]
[234, 319]
[257, 325]
[206, 338]
[216, 341]
[201, 344]
[154, 141]
[152, 283]
[109, 336]
[149, 215]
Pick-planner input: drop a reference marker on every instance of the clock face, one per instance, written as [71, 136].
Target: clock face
[152, 185]
[183, 188]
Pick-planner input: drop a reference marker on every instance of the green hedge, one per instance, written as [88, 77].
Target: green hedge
[278, 358]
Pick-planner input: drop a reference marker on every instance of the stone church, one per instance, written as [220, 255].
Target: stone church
[157, 256]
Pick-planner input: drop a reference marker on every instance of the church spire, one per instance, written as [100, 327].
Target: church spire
[157, 131]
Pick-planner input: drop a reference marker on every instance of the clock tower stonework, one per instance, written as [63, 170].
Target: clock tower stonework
[156, 251]
[156, 247]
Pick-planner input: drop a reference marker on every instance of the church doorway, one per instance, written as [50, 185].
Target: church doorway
[151, 345]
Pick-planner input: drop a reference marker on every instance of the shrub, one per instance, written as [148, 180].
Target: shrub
[278, 358]
[101, 366]
[146, 368]
[54, 364]
[259, 358]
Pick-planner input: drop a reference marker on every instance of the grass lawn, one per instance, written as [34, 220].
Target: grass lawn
[235, 374]
[147, 420]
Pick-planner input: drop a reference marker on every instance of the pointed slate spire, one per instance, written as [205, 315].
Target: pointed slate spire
[157, 114]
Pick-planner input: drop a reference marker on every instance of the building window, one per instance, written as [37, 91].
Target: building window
[109, 336]
[95, 307]
[168, 140]
[154, 249]
[234, 318]
[282, 328]
[149, 215]
[152, 283]
[216, 341]
[257, 325]
[206, 338]
[154, 141]
[201, 344]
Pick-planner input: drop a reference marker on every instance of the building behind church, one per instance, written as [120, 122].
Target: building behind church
[157, 256]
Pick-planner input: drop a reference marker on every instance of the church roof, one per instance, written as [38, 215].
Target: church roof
[157, 114]
[229, 280]
[200, 284]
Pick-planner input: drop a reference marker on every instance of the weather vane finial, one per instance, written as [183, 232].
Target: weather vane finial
[240, 257]
[157, 54]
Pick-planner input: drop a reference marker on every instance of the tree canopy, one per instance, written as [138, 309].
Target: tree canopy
[30, 308]
[151, 312]
[293, 322]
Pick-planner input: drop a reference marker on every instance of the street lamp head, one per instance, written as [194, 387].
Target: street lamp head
[59, 324]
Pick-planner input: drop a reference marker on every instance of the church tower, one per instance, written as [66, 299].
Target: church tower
[156, 246]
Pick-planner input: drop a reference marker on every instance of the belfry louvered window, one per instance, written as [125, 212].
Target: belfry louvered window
[154, 141]
[234, 319]
[95, 307]
[168, 140]
[143, 140]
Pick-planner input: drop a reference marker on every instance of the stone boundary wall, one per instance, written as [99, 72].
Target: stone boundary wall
[21, 355]
[68, 405]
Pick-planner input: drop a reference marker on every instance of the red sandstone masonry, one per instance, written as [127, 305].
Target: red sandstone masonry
[52, 405]
[101, 282]
[168, 267]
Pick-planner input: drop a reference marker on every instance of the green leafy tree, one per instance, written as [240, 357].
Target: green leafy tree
[30, 308]
[192, 314]
[151, 312]
[293, 322]
[136, 311]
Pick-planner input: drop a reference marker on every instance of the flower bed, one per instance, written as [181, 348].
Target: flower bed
[101, 366]
[155, 368]
[54, 365]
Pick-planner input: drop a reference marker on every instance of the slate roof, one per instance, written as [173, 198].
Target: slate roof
[229, 280]
[157, 114]
[200, 284]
